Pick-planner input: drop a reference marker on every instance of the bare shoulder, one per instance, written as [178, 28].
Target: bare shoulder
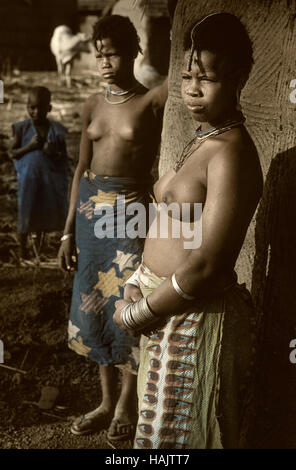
[157, 95]
[235, 147]
[90, 105]
[234, 157]
[93, 100]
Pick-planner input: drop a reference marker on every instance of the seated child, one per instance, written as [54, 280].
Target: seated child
[40, 159]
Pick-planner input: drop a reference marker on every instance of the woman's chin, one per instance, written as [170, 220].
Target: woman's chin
[198, 115]
[110, 79]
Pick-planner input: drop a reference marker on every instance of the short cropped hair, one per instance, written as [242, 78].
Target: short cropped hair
[224, 35]
[122, 32]
[41, 92]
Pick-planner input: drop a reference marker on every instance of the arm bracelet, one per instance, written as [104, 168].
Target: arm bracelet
[179, 290]
[66, 236]
[137, 315]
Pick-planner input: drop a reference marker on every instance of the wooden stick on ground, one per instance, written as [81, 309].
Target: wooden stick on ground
[23, 361]
[13, 368]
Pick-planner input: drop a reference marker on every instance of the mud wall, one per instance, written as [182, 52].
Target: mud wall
[268, 259]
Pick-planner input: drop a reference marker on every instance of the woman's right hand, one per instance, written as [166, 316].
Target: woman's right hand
[67, 255]
[132, 293]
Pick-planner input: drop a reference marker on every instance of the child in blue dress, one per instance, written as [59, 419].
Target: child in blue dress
[40, 159]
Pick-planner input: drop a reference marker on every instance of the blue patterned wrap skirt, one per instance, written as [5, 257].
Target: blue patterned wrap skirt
[107, 257]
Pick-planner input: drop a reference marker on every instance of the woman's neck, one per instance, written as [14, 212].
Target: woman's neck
[233, 115]
[125, 83]
[123, 86]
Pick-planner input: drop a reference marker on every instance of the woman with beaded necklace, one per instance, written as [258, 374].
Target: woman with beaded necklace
[197, 321]
[119, 142]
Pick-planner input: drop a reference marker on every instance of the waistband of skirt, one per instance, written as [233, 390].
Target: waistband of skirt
[121, 181]
[148, 274]
[146, 271]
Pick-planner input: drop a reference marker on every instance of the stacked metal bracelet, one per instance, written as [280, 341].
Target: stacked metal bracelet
[179, 290]
[137, 315]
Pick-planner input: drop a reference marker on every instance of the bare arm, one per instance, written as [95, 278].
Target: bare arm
[159, 95]
[16, 151]
[85, 155]
[234, 187]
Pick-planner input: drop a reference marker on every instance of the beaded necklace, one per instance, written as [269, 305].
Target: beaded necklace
[201, 136]
[120, 92]
[109, 92]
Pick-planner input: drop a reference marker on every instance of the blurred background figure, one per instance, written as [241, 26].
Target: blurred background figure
[66, 46]
[40, 160]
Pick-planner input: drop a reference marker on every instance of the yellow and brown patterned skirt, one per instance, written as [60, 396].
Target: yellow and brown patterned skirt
[194, 375]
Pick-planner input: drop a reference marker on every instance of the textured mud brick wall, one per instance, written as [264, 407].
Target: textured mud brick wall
[265, 99]
[268, 259]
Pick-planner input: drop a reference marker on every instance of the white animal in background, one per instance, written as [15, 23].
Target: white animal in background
[66, 46]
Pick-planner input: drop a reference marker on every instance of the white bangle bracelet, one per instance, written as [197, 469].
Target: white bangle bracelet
[179, 290]
[66, 236]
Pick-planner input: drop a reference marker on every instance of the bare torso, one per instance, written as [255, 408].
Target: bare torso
[190, 184]
[124, 137]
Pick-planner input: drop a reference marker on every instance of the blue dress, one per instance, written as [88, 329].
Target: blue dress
[42, 180]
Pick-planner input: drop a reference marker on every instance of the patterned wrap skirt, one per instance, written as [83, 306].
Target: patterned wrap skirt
[194, 379]
[106, 259]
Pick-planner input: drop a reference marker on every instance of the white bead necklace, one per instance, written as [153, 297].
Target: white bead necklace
[120, 92]
[109, 92]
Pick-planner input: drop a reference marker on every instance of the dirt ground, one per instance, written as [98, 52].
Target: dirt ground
[35, 300]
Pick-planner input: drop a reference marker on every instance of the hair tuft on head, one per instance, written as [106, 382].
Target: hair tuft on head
[225, 35]
[41, 92]
[121, 31]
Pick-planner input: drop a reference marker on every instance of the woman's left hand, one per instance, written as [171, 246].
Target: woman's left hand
[119, 305]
